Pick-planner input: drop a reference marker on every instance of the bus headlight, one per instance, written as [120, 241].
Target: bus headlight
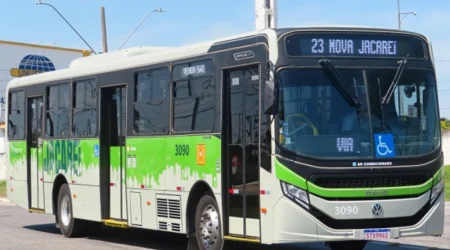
[296, 194]
[437, 189]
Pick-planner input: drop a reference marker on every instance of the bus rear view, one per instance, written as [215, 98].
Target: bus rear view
[357, 137]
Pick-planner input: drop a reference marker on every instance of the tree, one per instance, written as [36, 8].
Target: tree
[445, 124]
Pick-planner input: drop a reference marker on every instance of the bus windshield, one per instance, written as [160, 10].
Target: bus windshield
[316, 120]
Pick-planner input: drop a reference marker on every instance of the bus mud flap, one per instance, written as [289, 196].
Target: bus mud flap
[192, 242]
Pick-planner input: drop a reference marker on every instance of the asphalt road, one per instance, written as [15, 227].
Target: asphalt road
[22, 230]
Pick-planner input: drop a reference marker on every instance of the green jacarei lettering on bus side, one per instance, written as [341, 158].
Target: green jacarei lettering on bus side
[69, 154]
[147, 159]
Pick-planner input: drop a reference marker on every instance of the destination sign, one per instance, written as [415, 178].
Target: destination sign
[354, 45]
[193, 69]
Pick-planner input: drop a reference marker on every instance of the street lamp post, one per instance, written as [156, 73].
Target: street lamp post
[399, 14]
[39, 2]
[126, 40]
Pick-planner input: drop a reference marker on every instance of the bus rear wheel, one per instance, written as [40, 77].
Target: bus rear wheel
[69, 226]
[345, 245]
[208, 229]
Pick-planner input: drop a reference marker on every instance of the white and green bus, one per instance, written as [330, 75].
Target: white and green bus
[313, 134]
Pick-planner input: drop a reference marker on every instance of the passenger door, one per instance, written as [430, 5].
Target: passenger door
[242, 112]
[34, 151]
[112, 152]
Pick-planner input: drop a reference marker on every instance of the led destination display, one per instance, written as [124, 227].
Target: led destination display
[354, 45]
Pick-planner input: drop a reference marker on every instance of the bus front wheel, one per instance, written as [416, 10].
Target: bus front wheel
[344, 245]
[69, 226]
[208, 229]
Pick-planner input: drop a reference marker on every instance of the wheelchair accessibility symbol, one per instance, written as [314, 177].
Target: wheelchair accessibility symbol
[384, 144]
[96, 150]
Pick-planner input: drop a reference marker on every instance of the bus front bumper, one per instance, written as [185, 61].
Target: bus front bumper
[294, 224]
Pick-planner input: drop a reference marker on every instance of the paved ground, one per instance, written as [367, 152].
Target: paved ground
[22, 230]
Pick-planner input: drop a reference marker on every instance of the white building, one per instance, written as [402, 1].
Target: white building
[446, 146]
[22, 59]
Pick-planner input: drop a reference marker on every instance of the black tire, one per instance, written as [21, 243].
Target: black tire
[209, 203]
[347, 245]
[75, 226]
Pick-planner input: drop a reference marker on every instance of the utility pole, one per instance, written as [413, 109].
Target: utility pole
[399, 19]
[105, 39]
[266, 14]
[398, 15]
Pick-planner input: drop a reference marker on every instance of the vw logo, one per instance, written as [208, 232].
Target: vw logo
[377, 210]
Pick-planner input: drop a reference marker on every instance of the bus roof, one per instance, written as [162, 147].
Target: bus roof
[118, 60]
[143, 56]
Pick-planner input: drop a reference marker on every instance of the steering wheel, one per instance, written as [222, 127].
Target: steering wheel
[304, 123]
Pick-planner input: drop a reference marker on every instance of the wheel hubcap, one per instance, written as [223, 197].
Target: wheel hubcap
[65, 211]
[209, 226]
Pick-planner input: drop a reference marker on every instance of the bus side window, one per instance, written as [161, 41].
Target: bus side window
[84, 123]
[194, 97]
[16, 115]
[151, 102]
[57, 110]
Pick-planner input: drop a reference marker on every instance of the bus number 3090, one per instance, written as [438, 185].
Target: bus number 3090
[345, 210]
[181, 149]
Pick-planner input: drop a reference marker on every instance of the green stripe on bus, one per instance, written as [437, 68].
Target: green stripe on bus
[17, 152]
[361, 192]
[285, 174]
[178, 156]
[114, 155]
[33, 154]
[438, 175]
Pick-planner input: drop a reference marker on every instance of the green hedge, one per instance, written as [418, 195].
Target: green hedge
[2, 188]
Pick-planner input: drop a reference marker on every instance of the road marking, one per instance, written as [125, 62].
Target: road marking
[381, 243]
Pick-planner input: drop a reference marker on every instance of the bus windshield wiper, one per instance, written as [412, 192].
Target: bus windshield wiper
[340, 83]
[343, 88]
[394, 82]
[383, 123]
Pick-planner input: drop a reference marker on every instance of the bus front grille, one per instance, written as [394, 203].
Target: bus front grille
[370, 180]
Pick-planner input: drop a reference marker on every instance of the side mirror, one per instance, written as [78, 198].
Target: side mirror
[269, 100]
[270, 94]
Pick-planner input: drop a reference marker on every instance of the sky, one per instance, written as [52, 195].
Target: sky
[185, 22]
